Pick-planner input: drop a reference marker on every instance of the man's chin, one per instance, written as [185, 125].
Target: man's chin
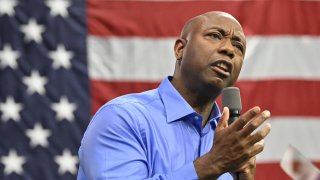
[220, 82]
[217, 84]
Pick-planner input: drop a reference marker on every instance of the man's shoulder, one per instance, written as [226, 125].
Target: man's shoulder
[130, 109]
[135, 99]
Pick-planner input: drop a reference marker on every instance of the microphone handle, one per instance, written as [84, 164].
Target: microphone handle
[234, 114]
[232, 118]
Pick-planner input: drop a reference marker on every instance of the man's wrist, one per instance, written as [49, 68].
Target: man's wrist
[206, 169]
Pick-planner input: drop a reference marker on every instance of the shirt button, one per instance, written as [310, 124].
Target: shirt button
[196, 117]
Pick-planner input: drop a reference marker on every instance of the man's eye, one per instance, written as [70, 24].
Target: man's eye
[239, 47]
[216, 35]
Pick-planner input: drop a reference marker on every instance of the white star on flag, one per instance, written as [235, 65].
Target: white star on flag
[13, 163]
[10, 109]
[61, 57]
[8, 57]
[35, 83]
[67, 162]
[33, 31]
[38, 135]
[7, 7]
[59, 7]
[64, 109]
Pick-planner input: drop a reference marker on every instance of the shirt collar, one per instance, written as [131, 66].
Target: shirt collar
[215, 115]
[177, 107]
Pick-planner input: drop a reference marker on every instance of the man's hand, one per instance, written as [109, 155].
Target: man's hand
[247, 171]
[234, 145]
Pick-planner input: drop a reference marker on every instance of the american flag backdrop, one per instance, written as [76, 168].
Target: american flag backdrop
[60, 60]
[44, 88]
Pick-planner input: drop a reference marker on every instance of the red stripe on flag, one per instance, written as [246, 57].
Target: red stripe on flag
[102, 91]
[267, 171]
[281, 97]
[165, 19]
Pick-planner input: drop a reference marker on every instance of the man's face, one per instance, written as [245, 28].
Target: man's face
[214, 52]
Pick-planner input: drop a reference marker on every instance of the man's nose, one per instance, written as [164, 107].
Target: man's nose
[227, 48]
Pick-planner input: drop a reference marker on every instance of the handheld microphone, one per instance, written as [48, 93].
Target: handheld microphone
[231, 98]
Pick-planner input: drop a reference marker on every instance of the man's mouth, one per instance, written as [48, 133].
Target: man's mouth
[222, 67]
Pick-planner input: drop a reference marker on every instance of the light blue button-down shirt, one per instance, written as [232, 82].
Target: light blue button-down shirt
[150, 135]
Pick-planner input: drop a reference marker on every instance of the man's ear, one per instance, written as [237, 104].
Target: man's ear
[179, 47]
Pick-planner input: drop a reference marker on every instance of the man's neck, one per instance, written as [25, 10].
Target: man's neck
[200, 99]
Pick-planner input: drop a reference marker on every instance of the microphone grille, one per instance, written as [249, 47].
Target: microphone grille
[231, 98]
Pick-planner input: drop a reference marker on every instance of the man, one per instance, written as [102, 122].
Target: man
[176, 131]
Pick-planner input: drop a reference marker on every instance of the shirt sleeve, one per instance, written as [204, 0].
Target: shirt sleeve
[113, 148]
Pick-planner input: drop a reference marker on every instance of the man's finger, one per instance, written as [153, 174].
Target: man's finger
[223, 122]
[260, 135]
[249, 165]
[245, 118]
[255, 123]
[257, 148]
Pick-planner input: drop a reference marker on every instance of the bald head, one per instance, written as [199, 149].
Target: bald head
[210, 52]
[202, 20]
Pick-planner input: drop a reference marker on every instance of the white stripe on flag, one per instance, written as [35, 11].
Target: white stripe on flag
[282, 57]
[151, 59]
[301, 132]
[130, 59]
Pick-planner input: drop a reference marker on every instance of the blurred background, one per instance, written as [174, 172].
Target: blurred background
[60, 60]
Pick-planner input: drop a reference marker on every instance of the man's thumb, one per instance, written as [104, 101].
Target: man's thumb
[223, 122]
